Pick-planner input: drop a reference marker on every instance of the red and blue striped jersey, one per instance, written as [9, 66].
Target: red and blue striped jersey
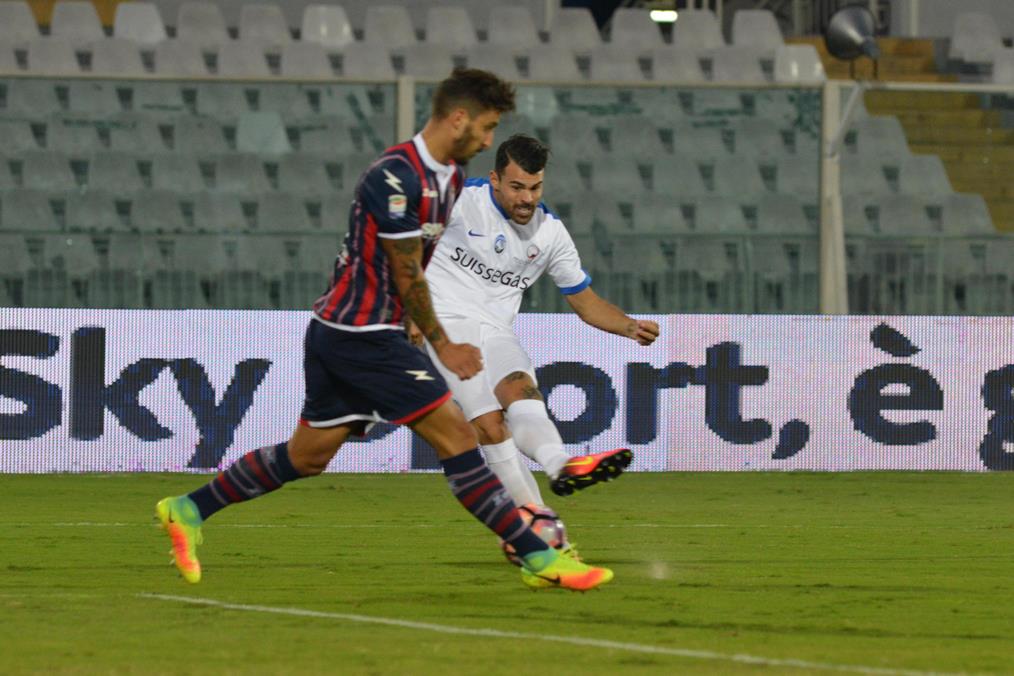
[404, 193]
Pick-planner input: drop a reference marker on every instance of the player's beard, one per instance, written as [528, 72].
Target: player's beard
[466, 147]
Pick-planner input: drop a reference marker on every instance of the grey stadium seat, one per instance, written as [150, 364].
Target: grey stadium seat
[782, 214]
[52, 56]
[738, 176]
[224, 101]
[660, 214]
[552, 63]
[47, 170]
[903, 215]
[178, 172]
[305, 59]
[677, 176]
[242, 59]
[17, 24]
[388, 25]
[618, 176]
[75, 22]
[633, 29]
[368, 62]
[330, 138]
[698, 30]
[73, 136]
[159, 100]
[451, 27]
[615, 64]
[219, 212]
[180, 58]
[157, 211]
[198, 135]
[795, 176]
[759, 138]
[93, 98]
[698, 143]
[798, 63]
[923, 175]
[428, 61]
[327, 25]
[737, 64]
[880, 135]
[671, 64]
[135, 134]
[115, 56]
[634, 134]
[92, 211]
[965, 214]
[863, 175]
[240, 173]
[263, 23]
[574, 29]
[512, 26]
[6, 178]
[976, 38]
[201, 23]
[756, 28]
[572, 135]
[498, 59]
[114, 172]
[8, 60]
[718, 214]
[282, 212]
[29, 211]
[16, 136]
[139, 22]
[288, 101]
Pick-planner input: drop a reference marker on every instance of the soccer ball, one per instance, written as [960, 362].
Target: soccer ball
[545, 523]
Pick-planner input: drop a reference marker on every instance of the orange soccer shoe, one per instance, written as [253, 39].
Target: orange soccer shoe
[587, 470]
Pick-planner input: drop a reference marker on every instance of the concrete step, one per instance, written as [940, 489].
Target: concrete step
[876, 100]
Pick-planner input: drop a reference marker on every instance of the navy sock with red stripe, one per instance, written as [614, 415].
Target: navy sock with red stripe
[256, 473]
[477, 488]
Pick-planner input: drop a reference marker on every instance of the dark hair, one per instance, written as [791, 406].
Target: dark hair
[528, 152]
[474, 90]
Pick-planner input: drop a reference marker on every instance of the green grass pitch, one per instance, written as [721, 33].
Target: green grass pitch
[793, 573]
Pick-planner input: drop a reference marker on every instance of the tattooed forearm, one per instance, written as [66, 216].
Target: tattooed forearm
[405, 256]
[419, 307]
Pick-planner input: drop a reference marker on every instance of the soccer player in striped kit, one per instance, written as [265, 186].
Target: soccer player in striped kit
[360, 367]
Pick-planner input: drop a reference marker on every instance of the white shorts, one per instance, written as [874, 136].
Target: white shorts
[502, 355]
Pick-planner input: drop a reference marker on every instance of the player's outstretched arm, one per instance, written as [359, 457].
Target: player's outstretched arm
[405, 256]
[596, 311]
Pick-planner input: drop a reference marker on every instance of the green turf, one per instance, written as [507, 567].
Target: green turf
[885, 570]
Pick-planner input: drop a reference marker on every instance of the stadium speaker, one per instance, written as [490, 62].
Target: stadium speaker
[849, 34]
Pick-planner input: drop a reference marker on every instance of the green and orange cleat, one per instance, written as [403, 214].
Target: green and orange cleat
[180, 520]
[587, 470]
[565, 572]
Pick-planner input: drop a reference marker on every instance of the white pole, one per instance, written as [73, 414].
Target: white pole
[833, 280]
[406, 108]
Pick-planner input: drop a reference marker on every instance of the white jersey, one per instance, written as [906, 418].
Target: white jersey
[485, 261]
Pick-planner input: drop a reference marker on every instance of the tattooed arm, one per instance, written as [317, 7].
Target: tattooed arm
[405, 257]
[600, 313]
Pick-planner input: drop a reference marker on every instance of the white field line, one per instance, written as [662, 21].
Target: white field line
[126, 524]
[549, 638]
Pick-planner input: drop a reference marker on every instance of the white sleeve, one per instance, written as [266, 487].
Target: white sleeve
[565, 264]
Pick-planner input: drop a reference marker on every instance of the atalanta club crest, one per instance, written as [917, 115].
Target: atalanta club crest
[500, 244]
[533, 252]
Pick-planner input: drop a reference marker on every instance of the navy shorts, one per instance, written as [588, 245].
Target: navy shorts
[371, 376]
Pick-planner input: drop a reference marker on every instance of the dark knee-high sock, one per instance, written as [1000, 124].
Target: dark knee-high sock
[256, 473]
[477, 488]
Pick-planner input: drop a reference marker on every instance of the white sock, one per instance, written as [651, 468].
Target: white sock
[505, 461]
[536, 435]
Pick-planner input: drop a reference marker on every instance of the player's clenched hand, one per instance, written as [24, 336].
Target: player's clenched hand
[461, 359]
[644, 331]
[415, 336]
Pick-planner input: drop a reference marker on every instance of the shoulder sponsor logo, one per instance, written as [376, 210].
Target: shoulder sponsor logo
[500, 244]
[393, 181]
[396, 205]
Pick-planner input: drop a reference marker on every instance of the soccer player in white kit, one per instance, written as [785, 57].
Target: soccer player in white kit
[499, 241]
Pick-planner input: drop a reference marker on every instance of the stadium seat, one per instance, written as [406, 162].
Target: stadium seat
[737, 64]
[719, 214]
[798, 64]
[428, 61]
[697, 30]
[796, 176]
[17, 24]
[327, 25]
[6, 178]
[716, 103]
[75, 22]
[756, 28]
[303, 174]
[574, 29]
[659, 214]
[902, 215]
[180, 58]
[498, 59]
[571, 135]
[759, 138]
[201, 23]
[158, 211]
[47, 170]
[880, 135]
[512, 26]
[618, 176]
[710, 275]
[73, 136]
[1003, 67]
[327, 137]
[863, 175]
[158, 100]
[858, 215]
[242, 59]
[677, 176]
[965, 214]
[288, 101]
[976, 38]
[198, 135]
[552, 63]
[633, 29]
[114, 172]
[737, 176]
[221, 212]
[615, 64]
[16, 137]
[52, 56]
[135, 134]
[139, 22]
[92, 211]
[264, 24]
[634, 135]
[782, 214]
[923, 175]
[699, 143]
[31, 98]
[177, 172]
[115, 56]
[672, 64]
[640, 275]
[281, 212]
[14, 256]
[450, 27]
[223, 101]
[28, 211]
[367, 62]
[8, 60]
[388, 25]
[240, 173]
[92, 98]
[305, 59]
